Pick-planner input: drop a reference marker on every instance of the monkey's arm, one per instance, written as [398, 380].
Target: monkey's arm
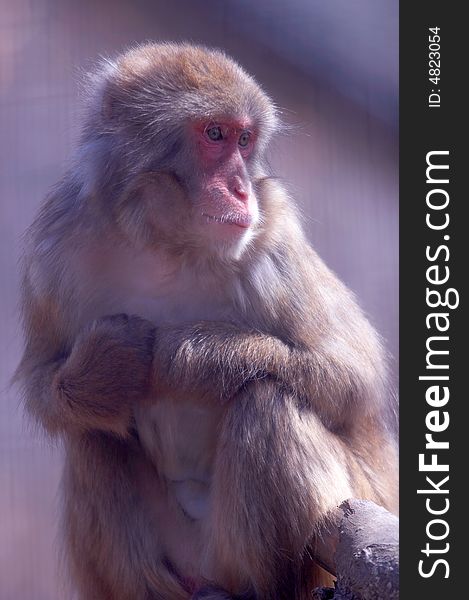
[94, 385]
[220, 358]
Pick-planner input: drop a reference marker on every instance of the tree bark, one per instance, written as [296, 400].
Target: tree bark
[363, 541]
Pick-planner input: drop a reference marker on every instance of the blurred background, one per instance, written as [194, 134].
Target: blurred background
[333, 69]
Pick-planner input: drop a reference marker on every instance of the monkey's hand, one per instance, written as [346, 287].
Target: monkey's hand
[107, 371]
[216, 359]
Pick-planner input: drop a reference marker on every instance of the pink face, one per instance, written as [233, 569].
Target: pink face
[226, 202]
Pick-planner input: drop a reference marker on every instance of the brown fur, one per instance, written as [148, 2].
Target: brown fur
[234, 397]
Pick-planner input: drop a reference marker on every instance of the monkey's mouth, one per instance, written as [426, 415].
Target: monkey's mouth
[240, 220]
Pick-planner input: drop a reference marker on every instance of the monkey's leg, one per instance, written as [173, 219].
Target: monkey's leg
[278, 472]
[110, 531]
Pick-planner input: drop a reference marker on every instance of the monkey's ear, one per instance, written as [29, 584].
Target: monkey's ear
[150, 207]
[131, 211]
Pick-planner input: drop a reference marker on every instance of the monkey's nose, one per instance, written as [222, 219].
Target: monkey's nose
[240, 189]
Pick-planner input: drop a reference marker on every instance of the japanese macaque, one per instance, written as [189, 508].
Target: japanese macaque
[217, 389]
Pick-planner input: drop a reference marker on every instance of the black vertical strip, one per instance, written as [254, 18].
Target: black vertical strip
[424, 128]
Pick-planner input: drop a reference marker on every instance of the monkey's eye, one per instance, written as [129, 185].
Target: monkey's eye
[244, 139]
[214, 133]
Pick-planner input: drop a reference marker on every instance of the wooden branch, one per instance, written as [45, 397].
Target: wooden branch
[360, 545]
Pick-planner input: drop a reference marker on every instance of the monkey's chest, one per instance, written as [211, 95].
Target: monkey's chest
[180, 437]
[148, 285]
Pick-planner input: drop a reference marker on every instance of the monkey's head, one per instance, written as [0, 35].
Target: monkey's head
[176, 146]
